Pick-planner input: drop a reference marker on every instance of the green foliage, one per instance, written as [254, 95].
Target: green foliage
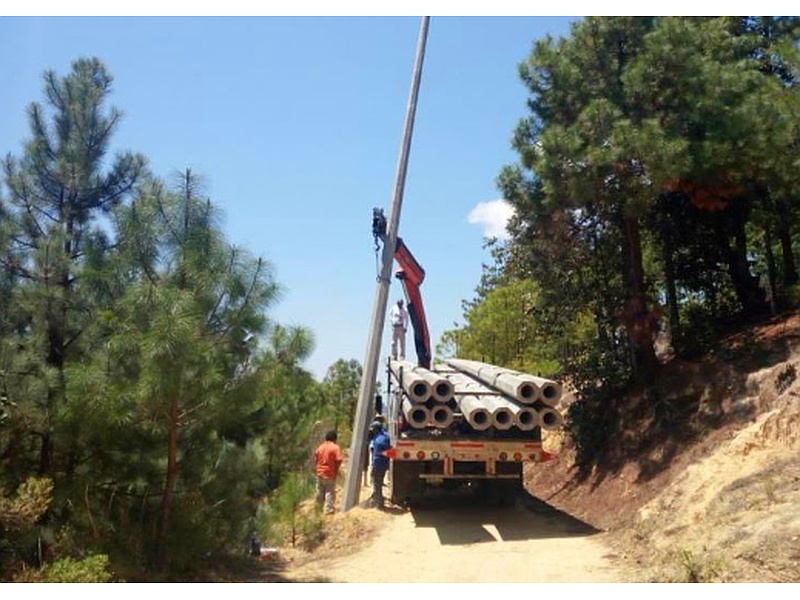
[792, 295]
[312, 529]
[49, 230]
[340, 389]
[281, 517]
[92, 569]
[653, 169]
[291, 400]
[138, 366]
[592, 422]
[501, 328]
[703, 334]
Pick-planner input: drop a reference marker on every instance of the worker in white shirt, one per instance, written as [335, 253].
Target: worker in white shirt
[398, 317]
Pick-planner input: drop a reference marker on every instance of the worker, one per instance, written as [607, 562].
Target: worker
[398, 317]
[380, 462]
[328, 459]
[380, 420]
[370, 435]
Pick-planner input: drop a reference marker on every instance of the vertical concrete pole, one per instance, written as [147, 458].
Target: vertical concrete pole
[366, 392]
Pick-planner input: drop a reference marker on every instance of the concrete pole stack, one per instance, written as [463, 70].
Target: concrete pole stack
[481, 395]
[539, 396]
[427, 389]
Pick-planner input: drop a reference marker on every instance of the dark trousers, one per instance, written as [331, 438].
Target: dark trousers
[378, 475]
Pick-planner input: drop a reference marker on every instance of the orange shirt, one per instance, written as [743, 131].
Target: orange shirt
[328, 458]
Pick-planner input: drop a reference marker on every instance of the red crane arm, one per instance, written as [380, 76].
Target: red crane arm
[411, 276]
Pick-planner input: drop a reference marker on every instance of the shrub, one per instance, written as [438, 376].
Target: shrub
[31, 501]
[92, 569]
[697, 569]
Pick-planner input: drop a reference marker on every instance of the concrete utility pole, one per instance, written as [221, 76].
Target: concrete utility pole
[366, 392]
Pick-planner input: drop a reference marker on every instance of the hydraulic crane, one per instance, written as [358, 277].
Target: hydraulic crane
[411, 275]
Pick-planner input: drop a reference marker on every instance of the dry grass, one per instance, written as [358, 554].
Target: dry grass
[339, 534]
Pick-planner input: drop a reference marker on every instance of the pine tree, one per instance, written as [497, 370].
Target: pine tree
[179, 352]
[59, 192]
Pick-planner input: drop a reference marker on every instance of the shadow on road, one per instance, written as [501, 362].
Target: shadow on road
[460, 520]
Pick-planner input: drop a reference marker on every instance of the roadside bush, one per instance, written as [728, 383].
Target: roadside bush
[697, 569]
[30, 502]
[592, 422]
[312, 529]
[280, 516]
[19, 515]
[93, 569]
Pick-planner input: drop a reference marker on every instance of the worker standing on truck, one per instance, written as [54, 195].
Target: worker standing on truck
[398, 317]
[380, 462]
[328, 459]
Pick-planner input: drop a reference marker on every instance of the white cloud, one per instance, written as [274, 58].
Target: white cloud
[493, 217]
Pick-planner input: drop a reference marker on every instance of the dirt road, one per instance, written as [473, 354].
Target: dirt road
[457, 541]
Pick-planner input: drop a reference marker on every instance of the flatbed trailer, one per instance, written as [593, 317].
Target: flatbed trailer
[429, 460]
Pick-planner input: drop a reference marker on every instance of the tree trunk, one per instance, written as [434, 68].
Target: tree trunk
[672, 292]
[751, 297]
[640, 323]
[55, 393]
[771, 270]
[790, 276]
[169, 487]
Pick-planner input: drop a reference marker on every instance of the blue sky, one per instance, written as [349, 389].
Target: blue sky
[295, 125]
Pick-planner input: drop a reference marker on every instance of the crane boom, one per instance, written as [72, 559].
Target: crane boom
[411, 276]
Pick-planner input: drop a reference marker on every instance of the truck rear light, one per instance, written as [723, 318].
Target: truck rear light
[532, 457]
[420, 454]
[503, 456]
[406, 454]
[517, 456]
[435, 455]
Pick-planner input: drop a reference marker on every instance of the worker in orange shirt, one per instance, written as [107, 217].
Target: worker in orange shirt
[327, 458]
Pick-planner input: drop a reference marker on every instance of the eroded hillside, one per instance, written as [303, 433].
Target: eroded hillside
[714, 496]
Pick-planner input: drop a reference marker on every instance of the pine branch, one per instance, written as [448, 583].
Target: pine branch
[224, 292]
[245, 302]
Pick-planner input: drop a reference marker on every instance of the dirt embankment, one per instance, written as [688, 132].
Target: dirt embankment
[717, 496]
